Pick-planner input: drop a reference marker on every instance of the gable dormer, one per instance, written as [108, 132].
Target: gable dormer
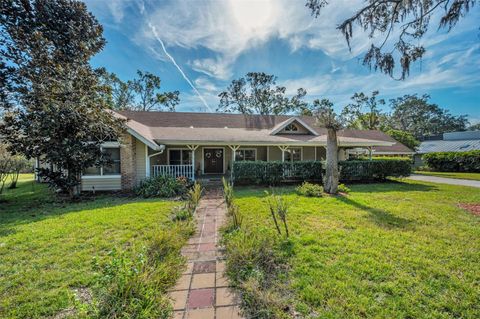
[293, 126]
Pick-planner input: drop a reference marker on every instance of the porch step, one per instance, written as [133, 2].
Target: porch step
[210, 182]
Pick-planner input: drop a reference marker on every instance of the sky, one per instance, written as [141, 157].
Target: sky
[199, 46]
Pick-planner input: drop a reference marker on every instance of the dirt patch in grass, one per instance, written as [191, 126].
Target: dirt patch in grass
[472, 208]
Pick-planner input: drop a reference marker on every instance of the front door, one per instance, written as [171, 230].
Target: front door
[213, 160]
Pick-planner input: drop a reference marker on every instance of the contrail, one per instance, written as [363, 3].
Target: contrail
[177, 66]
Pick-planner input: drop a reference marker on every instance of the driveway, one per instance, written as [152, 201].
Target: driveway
[444, 180]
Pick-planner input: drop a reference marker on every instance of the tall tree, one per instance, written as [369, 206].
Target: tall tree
[120, 95]
[407, 21]
[327, 118]
[140, 94]
[257, 93]
[405, 138]
[475, 127]
[418, 116]
[363, 112]
[59, 112]
[147, 85]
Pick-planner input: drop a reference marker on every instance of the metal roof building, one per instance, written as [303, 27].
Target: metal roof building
[452, 142]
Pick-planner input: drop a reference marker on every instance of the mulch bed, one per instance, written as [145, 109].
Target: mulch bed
[472, 208]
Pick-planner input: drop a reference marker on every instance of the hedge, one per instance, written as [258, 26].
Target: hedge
[453, 161]
[275, 172]
[361, 170]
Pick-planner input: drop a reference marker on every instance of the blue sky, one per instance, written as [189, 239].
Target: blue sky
[206, 44]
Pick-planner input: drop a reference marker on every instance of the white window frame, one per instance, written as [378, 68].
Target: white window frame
[291, 131]
[290, 148]
[245, 149]
[106, 145]
[181, 154]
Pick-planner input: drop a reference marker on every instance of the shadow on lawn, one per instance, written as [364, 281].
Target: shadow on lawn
[32, 202]
[380, 217]
[392, 186]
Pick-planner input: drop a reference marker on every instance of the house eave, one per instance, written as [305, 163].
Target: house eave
[260, 143]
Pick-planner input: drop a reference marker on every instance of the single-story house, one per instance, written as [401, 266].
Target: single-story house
[204, 145]
[449, 142]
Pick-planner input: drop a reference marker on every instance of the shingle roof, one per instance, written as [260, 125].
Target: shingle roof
[188, 127]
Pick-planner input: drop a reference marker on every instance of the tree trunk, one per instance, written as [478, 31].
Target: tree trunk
[332, 174]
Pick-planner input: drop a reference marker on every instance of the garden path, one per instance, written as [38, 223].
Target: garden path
[203, 290]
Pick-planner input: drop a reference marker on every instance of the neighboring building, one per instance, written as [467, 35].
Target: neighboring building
[396, 149]
[204, 145]
[451, 142]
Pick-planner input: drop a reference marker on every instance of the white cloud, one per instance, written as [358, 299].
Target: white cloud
[204, 84]
[218, 68]
[230, 28]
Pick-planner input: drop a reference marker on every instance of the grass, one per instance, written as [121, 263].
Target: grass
[470, 176]
[47, 247]
[392, 250]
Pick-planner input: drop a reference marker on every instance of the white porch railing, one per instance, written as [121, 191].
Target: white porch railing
[174, 171]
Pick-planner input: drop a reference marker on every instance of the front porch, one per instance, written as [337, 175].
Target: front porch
[212, 162]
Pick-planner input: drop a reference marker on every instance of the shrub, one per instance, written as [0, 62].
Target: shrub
[186, 211]
[194, 195]
[453, 161]
[227, 192]
[162, 186]
[257, 265]
[361, 170]
[134, 284]
[279, 206]
[181, 213]
[273, 173]
[310, 190]
[342, 188]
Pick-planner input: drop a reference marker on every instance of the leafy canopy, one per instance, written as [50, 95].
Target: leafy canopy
[257, 93]
[140, 94]
[404, 137]
[406, 21]
[56, 109]
[363, 112]
[326, 116]
[421, 118]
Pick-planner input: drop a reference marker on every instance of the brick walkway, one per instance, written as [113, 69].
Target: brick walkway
[202, 291]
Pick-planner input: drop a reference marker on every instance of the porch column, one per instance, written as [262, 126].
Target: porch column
[234, 148]
[283, 149]
[147, 162]
[193, 148]
[370, 150]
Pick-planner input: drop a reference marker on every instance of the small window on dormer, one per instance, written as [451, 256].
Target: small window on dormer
[291, 128]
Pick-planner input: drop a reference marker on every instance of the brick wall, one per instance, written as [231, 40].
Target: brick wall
[127, 161]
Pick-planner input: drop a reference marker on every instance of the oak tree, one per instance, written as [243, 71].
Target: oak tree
[364, 111]
[326, 117]
[258, 93]
[406, 21]
[56, 109]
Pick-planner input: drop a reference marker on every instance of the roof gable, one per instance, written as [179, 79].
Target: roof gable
[296, 122]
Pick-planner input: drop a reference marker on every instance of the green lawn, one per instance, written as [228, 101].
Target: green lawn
[393, 250]
[471, 176]
[47, 247]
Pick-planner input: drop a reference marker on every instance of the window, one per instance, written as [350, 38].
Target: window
[246, 155]
[291, 128]
[180, 157]
[293, 155]
[113, 153]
